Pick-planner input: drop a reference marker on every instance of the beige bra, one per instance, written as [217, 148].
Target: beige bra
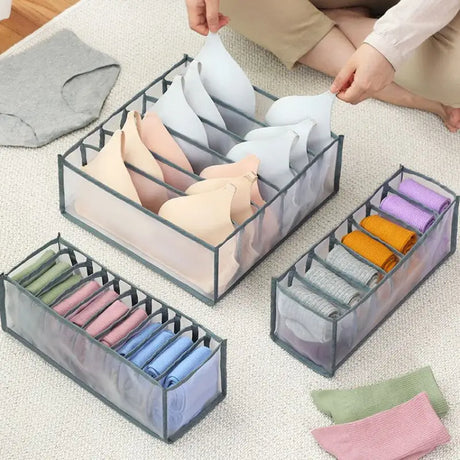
[206, 215]
[109, 168]
[241, 208]
[249, 164]
[156, 138]
[151, 194]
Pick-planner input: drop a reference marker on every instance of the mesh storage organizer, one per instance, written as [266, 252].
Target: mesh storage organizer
[206, 271]
[324, 336]
[163, 410]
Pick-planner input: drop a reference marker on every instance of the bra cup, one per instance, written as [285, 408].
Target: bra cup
[175, 112]
[248, 164]
[224, 79]
[151, 194]
[109, 168]
[293, 109]
[207, 215]
[273, 154]
[241, 208]
[156, 138]
[298, 157]
[202, 104]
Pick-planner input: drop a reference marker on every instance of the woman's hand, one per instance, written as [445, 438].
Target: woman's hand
[365, 73]
[204, 16]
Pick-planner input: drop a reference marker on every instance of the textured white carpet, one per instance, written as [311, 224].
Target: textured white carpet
[268, 412]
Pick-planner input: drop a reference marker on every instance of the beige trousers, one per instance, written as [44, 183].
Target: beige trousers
[290, 28]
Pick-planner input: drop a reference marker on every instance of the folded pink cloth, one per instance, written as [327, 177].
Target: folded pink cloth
[107, 318]
[86, 311]
[408, 431]
[73, 300]
[124, 328]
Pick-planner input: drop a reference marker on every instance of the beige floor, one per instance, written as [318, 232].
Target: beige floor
[268, 412]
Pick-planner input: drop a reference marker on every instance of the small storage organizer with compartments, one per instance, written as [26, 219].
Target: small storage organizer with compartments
[154, 365]
[206, 271]
[336, 294]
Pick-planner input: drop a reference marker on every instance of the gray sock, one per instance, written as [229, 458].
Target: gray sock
[314, 301]
[346, 263]
[51, 89]
[331, 284]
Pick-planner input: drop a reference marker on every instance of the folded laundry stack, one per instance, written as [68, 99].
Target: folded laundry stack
[115, 339]
[390, 420]
[346, 285]
[203, 162]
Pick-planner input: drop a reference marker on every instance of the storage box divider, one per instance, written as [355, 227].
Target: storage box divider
[389, 189]
[353, 225]
[104, 287]
[392, 218]
[351, 281]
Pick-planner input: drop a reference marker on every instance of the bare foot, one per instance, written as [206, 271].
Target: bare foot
[451, 118]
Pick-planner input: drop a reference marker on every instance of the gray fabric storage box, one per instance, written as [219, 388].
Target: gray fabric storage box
[166, 413]
[206, 271]
[332, 341]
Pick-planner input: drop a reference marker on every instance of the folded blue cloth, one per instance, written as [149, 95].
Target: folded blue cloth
[150, 348]
[193, 361]
[138, 338]
[168, 356]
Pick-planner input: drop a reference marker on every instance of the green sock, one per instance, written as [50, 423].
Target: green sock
[50, 296]
[47, 255]
[349, 405]
[50, 275]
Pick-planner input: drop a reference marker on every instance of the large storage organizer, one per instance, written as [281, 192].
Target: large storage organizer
[324, 341]
[206, 271]
[164, 411]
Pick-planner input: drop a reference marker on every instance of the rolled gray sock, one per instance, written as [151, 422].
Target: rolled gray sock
[346, 263]
[331, 284]
[314, 301]
[51, 89]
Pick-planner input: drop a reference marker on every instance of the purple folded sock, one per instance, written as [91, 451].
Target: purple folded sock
[407, 212]
[424, 195]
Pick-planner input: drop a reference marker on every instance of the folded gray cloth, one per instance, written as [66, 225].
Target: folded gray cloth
[314, 301]
[345, 262]
[331, 284]
[51, 89]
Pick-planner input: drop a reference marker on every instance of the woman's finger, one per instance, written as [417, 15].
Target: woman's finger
[212, 15]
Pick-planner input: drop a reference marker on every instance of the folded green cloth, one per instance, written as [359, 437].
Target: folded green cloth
[50, 296]
[47, 255]
[349, 405]
[50, 275]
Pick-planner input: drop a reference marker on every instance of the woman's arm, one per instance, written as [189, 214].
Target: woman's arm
[396, 34]
[409, 23]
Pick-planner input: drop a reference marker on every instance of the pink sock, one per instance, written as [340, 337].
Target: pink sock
[85, 312]
[70, 302]
[124, 328]
[408, 431]
[107, 318]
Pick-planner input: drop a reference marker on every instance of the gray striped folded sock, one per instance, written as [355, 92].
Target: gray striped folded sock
[333, 285]
[314, 301]
[346, 263]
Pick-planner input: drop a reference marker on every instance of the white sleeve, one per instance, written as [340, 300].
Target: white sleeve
[409, 23]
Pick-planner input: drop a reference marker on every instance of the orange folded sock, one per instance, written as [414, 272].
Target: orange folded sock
[396, 236]
[370, 249]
